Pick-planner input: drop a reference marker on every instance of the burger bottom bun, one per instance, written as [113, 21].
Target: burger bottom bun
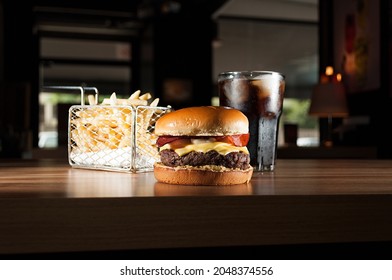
[201, 176]
[163, 189]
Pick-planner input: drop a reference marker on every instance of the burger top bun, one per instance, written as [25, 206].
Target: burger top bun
[202, 121]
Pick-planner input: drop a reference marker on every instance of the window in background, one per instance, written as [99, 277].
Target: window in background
[295, 111]
[289, 47]
[77, 62]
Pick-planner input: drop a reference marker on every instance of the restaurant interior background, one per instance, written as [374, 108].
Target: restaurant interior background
[175, 49]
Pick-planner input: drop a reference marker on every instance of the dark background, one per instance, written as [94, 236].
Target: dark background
[181, 49]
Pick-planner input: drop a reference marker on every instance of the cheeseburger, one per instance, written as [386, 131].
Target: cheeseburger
[203, 146]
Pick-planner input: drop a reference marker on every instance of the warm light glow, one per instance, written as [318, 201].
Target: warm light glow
[338, 77]
[329, 71]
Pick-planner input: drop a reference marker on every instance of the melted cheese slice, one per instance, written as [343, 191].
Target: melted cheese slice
[220, 147]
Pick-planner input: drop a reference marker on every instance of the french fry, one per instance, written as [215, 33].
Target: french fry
[137, 102]
[154, 103]
[135, 95]
[145, 96]
[91, 100]
[113, 99]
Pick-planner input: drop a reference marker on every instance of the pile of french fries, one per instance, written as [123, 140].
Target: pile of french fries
[110, 125]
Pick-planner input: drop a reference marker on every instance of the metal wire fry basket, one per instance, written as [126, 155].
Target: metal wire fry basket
[114, 138]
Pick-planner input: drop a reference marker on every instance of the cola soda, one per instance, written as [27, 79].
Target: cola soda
[259, 95]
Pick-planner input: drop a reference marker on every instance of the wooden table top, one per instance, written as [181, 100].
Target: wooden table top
[48, 206]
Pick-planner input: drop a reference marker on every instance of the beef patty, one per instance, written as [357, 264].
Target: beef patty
[232, 160]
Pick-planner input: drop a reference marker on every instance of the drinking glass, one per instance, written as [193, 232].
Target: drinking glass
[259, 95]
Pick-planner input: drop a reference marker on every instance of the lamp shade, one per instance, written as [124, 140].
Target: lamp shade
[328, 100]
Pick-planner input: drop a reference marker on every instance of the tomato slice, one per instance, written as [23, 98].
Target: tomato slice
[180, 143]
[163, 140]
[239, 140]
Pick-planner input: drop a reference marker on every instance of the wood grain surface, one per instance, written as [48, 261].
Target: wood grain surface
[48, 206]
